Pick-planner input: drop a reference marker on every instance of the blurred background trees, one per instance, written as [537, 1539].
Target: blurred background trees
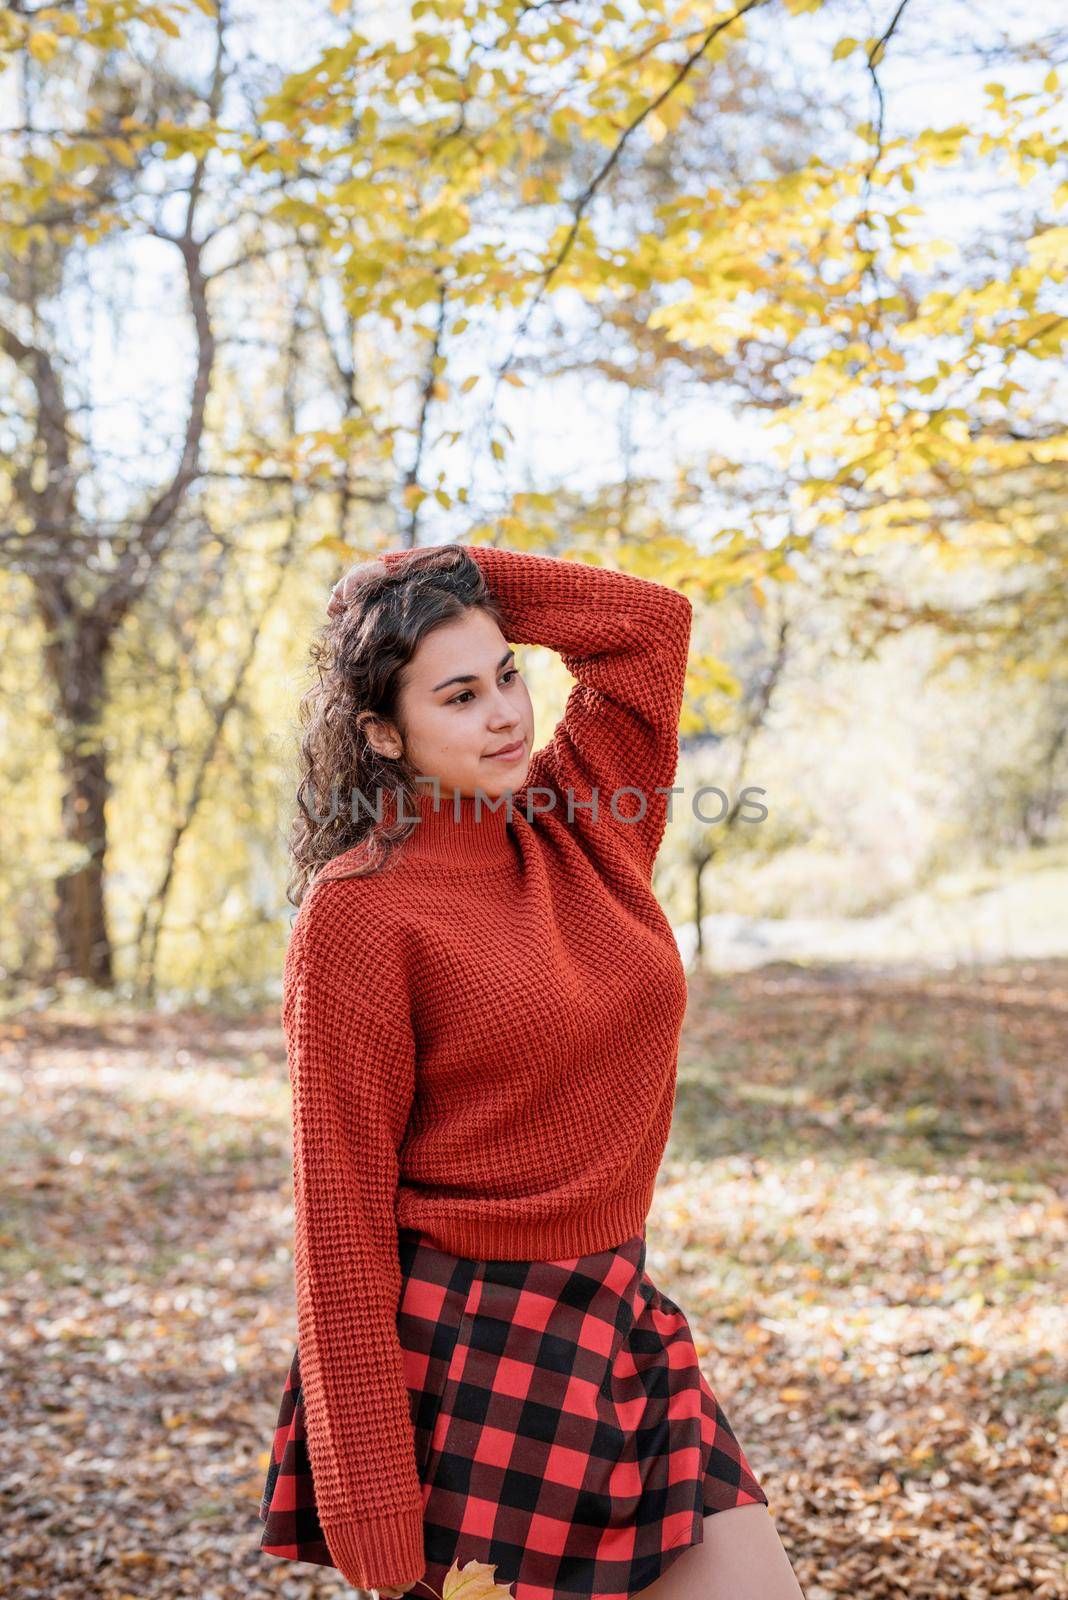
[754, 300]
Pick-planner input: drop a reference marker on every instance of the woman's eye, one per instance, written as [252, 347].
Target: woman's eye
[458, 699]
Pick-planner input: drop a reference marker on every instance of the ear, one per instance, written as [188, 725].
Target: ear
[380, 735]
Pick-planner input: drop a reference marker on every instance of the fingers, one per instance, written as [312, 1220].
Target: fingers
[341, 594]
[344, 590]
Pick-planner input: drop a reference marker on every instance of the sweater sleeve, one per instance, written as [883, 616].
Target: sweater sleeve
[351, 1059]
[626, 641]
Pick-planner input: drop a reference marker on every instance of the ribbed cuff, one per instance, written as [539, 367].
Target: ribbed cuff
[377, 1552]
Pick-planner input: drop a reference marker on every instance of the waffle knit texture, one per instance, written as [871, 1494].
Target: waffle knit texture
[483, 1037]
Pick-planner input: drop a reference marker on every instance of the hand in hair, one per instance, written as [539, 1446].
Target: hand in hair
[353, 580]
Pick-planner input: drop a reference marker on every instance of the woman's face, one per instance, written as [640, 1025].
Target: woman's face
[463, 698]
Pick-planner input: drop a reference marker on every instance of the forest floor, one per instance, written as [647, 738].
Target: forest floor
[863, 1210]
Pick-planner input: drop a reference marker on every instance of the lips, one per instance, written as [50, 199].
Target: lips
[507, 750]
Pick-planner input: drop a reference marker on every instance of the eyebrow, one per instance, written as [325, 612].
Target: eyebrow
[471, 677]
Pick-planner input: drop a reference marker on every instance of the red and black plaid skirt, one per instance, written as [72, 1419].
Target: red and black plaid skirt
[564, 1431]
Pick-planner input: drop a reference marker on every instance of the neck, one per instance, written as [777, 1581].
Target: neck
[464, 830]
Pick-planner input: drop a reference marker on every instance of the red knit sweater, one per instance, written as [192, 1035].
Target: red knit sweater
[483, 1038]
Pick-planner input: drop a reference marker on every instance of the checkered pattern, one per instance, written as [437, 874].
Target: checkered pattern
[564, 1432]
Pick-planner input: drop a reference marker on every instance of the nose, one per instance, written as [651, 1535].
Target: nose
[503, 713]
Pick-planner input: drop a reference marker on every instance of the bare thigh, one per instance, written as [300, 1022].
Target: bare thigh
[741, 1558]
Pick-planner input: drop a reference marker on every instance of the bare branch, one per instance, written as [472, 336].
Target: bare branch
[424, 408]
[135, 570]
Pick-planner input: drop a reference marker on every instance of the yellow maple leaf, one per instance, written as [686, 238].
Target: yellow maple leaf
[474, 1581]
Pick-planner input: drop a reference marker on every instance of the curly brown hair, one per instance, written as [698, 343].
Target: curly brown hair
[360, 656]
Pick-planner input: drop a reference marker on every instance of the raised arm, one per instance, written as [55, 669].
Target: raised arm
[626, 641]
[351, 1061]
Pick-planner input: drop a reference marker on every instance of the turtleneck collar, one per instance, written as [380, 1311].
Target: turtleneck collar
[463, 830]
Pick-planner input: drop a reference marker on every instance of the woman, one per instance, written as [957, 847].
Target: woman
[482, 1006]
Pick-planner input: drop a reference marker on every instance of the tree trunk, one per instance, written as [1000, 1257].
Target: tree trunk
[83, 947]
[700, 863]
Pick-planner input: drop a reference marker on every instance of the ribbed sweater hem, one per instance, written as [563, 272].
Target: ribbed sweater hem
[512, 1238]
[376, 1552]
